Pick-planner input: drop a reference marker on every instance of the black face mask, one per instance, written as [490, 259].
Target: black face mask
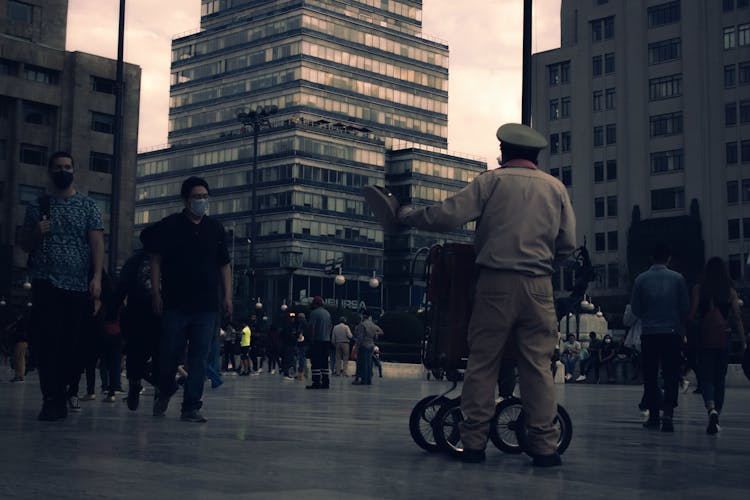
[62, 179]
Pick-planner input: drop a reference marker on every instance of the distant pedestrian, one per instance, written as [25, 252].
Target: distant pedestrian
[320, 330]
[365, 335]
[660, 300]
[714, 306]
[340, 339]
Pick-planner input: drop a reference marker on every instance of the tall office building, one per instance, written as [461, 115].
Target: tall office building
[53, 100]
[647, 108]
[358, 88]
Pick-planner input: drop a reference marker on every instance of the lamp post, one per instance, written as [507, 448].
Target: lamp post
[374, 283]
[339, 280]
[420, 250]
[257, 119]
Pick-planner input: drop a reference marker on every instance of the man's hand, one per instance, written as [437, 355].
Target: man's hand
[228, 307]
[43, 227]
[95, 288]
[97, 306]
[156, 303]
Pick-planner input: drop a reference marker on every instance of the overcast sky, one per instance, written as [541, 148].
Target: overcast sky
[484, 36]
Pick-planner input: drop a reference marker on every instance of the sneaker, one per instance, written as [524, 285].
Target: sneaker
[73, 404]
[551, 460]
[666, 424]
[193, 416]
[579, 378]
[273, 372]
[644, 414]
[289, 378]
[713, 422]
[160, 405]
[470, 456]
[652, 423]
[16, 379]
[88, 397]
[684, 385]
[214, 385]
[109, 398]
[134, 396]
[256, 373]
[51, 412]
[568, 376]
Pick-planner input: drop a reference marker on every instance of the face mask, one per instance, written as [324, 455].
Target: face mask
[199, 207]
[62, 179]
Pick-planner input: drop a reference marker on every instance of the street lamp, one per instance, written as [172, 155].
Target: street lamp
[258, 304]
[27, 284]
[257, 119]
[2, 302]
[339, 280]
[374, 283]
[284, 307]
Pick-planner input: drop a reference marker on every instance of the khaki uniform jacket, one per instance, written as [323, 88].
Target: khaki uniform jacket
[525, 220]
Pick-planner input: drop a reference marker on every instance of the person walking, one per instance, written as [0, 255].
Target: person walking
[63, 233]
[340, 339]
[660, 300]
[245, 340]
[189, 258]
[714, 304]
[365, 334]
[303, 340]
[525, 224]
[18, 331]
[320, 329]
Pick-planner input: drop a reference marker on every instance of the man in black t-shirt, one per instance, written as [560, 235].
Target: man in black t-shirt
[189, 257]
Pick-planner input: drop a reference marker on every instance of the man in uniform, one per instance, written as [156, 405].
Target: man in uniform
[525, 224]
[320, 329]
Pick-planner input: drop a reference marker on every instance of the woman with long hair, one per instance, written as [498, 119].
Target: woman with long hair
[714, 304]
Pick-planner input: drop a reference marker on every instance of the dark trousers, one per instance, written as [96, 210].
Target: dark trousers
[319, 363]
[141, 331]
[110, 365]
[713, 368]
[88, 356]
[229, 355]
[57, 318]
[661, 350]
[287, 358]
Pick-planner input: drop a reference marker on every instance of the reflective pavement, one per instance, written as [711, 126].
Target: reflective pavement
[268, 438]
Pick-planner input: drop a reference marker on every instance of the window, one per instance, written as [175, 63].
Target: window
[666, 124]
[611, 206]
[666, 161]
[665, 87]
[666, 13]
[554, 109]
[565, 72]
[20, 12]
[598, 171]
[743, 34]
[101, 162]
[733, 229]
[103, 85]
[733, 194]
[565, 107]
[603, 29]
[565, 141]
[37, 113]
[102, 122]
[730, 38]
[745, 190]
[609, 63]
[599, 207]
[596, 66]
[103, 202]
[554, 74]
[567, 176]
[613, 275]
[554, 144]
[29, 194]
[33, 154]
[746, 228]
[735, 266]
[611, 170]
[730, 76]
[611, 133]
[667, 50]
[8, 67]
[609, 98]
[745, 151]
[555, 172]
[39, 74]
[728, 5]
[612, 242]
[598, 136]
[730, 114]
[743, 69]
[599, 245]
[596, 100]
[744, 112]
[731, 152]
[667, 199]
[742, 4]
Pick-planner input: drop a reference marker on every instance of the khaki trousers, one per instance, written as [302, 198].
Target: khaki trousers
[342, 357]
[511, 305]
[20, 357]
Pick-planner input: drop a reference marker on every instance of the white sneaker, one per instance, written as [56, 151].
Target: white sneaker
[684, 385]
[568, 376]
[645, 414]
[580, 378]
[273, 372]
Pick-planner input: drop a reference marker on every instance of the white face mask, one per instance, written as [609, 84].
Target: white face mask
[199, 207]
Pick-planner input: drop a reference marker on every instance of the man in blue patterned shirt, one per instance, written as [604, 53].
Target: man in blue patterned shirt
[63, 234]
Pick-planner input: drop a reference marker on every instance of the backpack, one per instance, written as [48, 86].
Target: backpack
[713, 328]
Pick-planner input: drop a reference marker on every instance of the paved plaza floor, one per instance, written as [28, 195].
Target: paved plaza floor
[267, 438]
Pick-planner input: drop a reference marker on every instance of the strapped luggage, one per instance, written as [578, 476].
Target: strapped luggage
[451, 280]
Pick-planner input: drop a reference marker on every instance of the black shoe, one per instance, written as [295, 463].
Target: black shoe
[713, 422]
[666, 424]
[134, 395]
[652, 424]
[160, 405]
[551, 460]
[51, 412]
[193, 416]
[315, 386]
[468, 456]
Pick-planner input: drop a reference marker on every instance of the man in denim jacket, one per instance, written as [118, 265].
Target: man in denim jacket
[660, 300]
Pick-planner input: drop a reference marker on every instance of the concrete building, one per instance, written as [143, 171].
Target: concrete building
[647, 105]
[54, 100]
[356, 84]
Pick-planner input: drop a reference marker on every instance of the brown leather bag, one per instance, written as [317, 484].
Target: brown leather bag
[714, 328]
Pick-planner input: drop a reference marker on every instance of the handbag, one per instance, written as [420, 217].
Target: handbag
[713, 329]
[353, 353]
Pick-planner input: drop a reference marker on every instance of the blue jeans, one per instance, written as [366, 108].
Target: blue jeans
[365, 371]
[212, 362]
[569, 362]
[301, 357]
[196, 329]
[713, 368]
